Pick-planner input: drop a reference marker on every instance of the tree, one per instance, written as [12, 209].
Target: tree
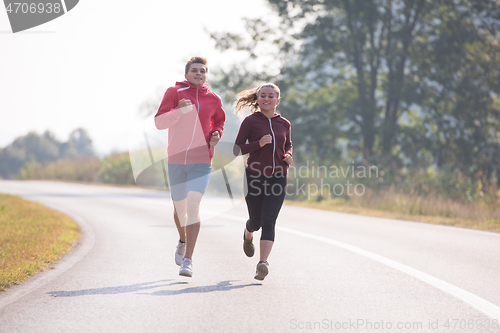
[79, 144]
[456, 70]
[402, 82]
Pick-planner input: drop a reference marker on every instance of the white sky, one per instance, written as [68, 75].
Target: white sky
[95, 65]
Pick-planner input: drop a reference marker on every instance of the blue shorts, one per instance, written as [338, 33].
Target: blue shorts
[190, 177]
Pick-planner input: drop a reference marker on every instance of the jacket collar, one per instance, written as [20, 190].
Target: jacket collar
[186, 83]
[260, 114]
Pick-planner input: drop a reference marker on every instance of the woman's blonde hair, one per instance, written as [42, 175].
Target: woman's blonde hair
[248, 98]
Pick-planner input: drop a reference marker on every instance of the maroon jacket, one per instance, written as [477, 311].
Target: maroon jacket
[266, 160]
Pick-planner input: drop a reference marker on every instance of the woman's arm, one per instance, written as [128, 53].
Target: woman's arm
[287, 157]
[240, 145]
[288, 141]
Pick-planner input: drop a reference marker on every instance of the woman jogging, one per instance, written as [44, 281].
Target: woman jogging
[265, 135]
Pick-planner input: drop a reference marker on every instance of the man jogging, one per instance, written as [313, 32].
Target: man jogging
[195, 120]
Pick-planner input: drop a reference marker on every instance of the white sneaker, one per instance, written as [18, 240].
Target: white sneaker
[179, 252]
[186, 267]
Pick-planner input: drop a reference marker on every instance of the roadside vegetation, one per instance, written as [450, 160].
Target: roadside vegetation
[446, 198]
[113, 169]
[32, 237]
[433, 210]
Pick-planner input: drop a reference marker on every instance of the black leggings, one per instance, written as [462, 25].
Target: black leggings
[264, 200]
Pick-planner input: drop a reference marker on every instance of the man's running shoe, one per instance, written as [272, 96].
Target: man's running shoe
[186, 267]
[179, 252]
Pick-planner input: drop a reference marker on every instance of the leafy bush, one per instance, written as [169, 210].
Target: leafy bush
[82, 169]
[116, 169]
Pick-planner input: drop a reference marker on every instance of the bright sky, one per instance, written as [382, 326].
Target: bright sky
[95, 65]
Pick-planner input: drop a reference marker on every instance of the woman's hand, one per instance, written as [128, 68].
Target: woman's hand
[288, 159]
[265, 140]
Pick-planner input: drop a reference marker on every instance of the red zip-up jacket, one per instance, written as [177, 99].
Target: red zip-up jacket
[266, 160]
[189, 134]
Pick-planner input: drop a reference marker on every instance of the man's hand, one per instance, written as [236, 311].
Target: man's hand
[185, 105]
[288, 159]
[214, 140]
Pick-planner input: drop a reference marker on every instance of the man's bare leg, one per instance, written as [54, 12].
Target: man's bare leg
[193, 221]
[181, 229]
[180, 218]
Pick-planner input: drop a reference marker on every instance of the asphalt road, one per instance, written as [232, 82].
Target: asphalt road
[328, 272]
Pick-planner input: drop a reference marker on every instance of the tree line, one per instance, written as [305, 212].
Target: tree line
[43, 148]
[43, 156]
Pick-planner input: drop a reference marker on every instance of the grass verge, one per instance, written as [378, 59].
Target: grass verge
[32, 237]
[486, 224]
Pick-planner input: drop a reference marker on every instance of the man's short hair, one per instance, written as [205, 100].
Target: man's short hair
[196, 60]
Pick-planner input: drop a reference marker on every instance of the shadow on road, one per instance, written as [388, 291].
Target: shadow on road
[221, 286]
[137, 288]
[114, 290]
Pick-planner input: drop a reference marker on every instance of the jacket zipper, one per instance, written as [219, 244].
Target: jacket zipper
[274, 143]
[195, 122]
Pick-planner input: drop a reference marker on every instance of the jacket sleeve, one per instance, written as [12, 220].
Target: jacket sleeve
[218, 120]
[288, 141]
[168, 113]
[240, 145]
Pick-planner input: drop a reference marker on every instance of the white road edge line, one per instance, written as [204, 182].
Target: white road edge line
[477, 302]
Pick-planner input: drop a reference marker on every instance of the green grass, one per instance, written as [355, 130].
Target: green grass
[32, 237]
[433, 210]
